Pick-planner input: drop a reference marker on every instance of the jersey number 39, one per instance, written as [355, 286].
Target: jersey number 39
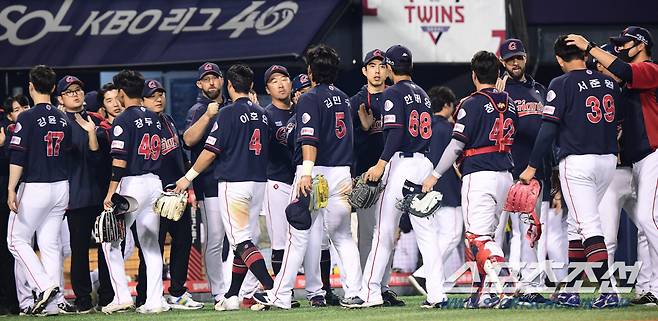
[594, 104]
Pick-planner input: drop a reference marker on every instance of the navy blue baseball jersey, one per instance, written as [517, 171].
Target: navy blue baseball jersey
[368, 145]
[582, 103]
[487, 135]
[529, 99]
[294, 145]
[240, 138]
[84, 189]
[204, 185]
[324, 120]
[137, 139]
[40, 144]
[173, 165]
[280, 166]
[407, 106]
[449, 184]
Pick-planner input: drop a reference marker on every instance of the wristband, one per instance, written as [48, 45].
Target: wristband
[191, 174]
[590, 45]
[436, 175]
[307, 168]
[118, 173]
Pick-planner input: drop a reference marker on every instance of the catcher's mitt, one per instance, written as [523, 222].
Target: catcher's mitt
[522, 199]
[109, 227]
[319, 194]
[170, 205]
[364, 194]
[417, 203]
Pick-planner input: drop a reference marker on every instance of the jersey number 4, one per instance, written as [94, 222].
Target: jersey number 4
[254, 142]
[149, 147]
[594, 104]
[53, 140]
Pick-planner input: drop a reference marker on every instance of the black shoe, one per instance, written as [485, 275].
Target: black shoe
[332, 299]
[418, 283]
[67, 308]
[262, 298]
[646, 299]
[440, 305]
[294, 304]
[85, 308]
[391, 299]
[44, 298]
[532, 299]
[318, 302]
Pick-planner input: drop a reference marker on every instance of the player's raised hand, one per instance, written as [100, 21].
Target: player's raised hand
[3, 136]
[12, 202]
[527, 175]
[578, 41]
[181, 185]
[213, 109]
[305, 185]
[501, 82]
[366, 117]
[429, 182]
[88, 125]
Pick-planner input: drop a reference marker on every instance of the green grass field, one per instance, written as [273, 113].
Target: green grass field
[411, 312]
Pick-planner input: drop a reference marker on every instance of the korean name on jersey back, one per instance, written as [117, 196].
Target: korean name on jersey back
[137, 139]
[240, 138]
[479, 125]
[407, 106]
[41, 139]
[324, 120]
[582, 103]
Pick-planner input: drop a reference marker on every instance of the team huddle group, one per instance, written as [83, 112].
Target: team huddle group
[589, 139]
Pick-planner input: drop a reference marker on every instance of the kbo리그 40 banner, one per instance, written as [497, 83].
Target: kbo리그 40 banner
[435, 30]
[81, 33]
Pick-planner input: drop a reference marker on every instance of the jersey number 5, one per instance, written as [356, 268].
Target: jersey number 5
[341, 128]
[149, 147]
[595, 105]
[53, 139]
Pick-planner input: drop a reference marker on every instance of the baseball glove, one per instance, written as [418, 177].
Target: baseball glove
[319, 194]
[364, 194]
[522, 199]
[417, 203]
[171, 205]
[109, 227]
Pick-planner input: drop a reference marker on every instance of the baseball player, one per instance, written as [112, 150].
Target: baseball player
[368, 145]
[235, 140]
[633, 65]
[172, 167]
[324, 130]
[407, 124]
[40, 142]
[198, 124]
[529, 98]
[85, 194]
[587, 143]
[483, 134]
[445, 228]
[301, 84]
[136, 150]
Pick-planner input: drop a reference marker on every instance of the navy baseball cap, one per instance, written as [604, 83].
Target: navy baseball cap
[91, 101]
[607, 48]
[298, 213]
[633, 33]
[372, 55]
[209, 68]
[151, 86]
[398, 56]
[300, 82]
[275, 69]
[511, 48]
[66, 82]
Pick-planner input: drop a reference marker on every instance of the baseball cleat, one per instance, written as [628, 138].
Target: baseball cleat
[228, 304]
[568, 299]
[390, 299]
[114, 307]
[184, 302]
[483, 301]
[159, 309]
[505, 302]
[67, 308]
[262, 298]
[531, 299]
[606, 300]
[646, 299]
[439, 305]
[44, 298]
[332, 299]
[357, 302]
[317, 302]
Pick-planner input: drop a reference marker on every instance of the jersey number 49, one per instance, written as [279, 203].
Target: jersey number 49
[149, 147]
